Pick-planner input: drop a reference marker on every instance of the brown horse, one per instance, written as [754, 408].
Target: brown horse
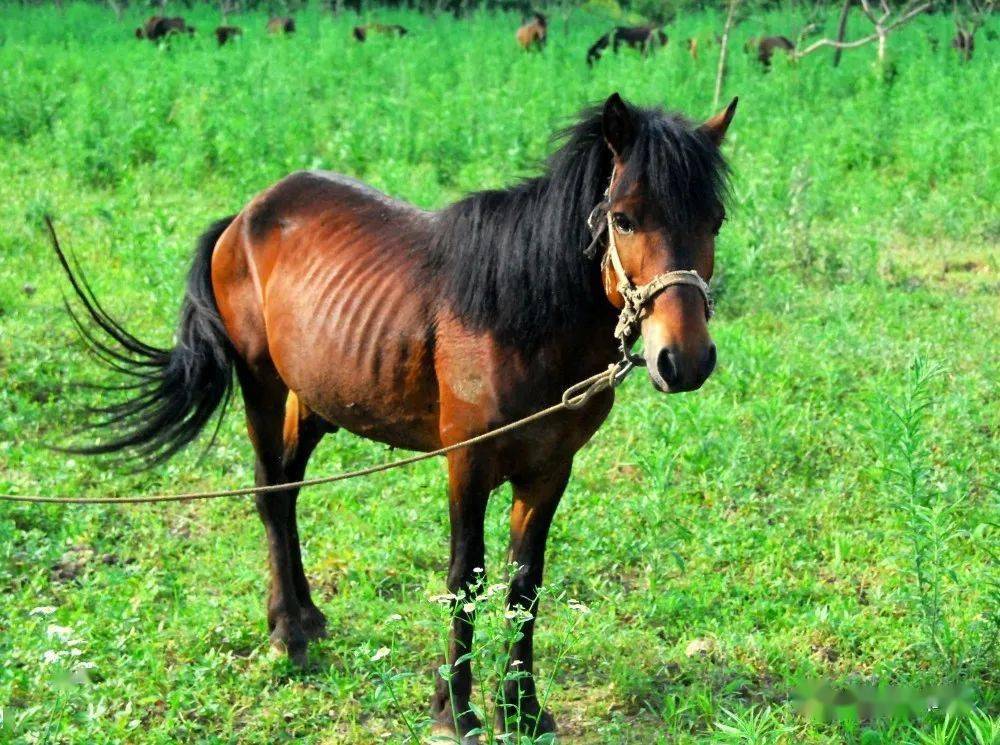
[281, 25]
[533, 34]
[385, 29]
[226, 34]
[340, 307]
[159, 27]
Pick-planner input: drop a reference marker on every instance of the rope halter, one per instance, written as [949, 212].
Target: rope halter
[637, 297]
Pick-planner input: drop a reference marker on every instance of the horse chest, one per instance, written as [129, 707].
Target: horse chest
[484, 384]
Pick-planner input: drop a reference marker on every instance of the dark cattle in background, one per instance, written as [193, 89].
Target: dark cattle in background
[281, 25]
[643, 38]
[766, 46]
[225, 34]
[386, 29]
[159, 27]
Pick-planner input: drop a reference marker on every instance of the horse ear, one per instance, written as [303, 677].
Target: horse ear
[715, 128]
[616, 124]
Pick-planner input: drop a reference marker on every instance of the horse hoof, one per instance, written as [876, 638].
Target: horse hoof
[446, 729]
[534, 723]
[291, 643]
[313, 623]
[445, 733]
[546, 724]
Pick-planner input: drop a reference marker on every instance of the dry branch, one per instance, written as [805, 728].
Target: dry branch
[720, 73]
[882, 30]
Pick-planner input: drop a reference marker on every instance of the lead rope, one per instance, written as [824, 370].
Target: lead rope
[573, 398]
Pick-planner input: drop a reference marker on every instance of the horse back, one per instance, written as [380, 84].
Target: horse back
[319, 283]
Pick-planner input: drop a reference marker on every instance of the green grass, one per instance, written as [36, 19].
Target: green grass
[756, 513]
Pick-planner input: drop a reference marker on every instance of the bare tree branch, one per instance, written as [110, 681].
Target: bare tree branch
[720, 73]
[979, 14]
[880, 32]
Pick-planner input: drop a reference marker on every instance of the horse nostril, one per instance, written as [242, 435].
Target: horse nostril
[666, 367]
[711, 357]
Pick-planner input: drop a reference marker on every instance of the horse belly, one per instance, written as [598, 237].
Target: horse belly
[351, 336]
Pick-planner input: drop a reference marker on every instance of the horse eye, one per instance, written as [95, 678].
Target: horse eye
[622, 223]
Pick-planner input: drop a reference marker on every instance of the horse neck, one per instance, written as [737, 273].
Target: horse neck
[589, 346]
[512, 262]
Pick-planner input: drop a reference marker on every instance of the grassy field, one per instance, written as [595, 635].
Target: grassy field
[756, 517]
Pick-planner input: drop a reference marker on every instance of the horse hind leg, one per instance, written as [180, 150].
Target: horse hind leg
[265, 396]
[302, 432]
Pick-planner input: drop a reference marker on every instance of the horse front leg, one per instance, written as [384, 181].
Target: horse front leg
[469, 488]
[535, 502]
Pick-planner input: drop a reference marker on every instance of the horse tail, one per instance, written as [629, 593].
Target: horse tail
[170, 394]
[594, 52]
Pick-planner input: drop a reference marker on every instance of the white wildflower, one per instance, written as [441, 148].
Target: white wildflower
[382, 653]
[42, 610]
[61, 632]
[469, 607]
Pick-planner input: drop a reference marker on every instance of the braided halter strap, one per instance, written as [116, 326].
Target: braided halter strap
[638, 297]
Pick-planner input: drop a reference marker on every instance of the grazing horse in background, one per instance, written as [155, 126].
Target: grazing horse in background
[643, 38]
[159, 27]
[533, 34]
[766, 47]
[281, 25]
[336, 306]
[386, 29]
[692, 44]
[226, 34]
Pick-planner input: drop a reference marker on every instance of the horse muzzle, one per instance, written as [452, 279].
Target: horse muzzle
[679, 353]
[674, 371]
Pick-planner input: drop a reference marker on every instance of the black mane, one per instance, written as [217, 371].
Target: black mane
[512, 260]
